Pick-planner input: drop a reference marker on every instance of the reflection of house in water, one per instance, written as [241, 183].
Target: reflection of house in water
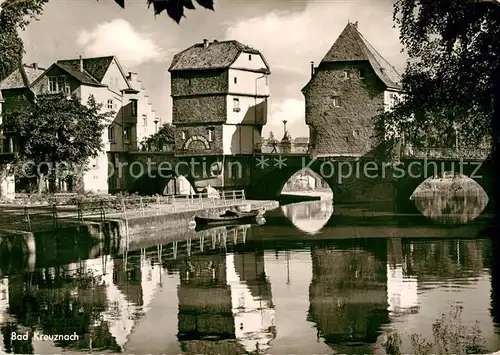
[205, 307]
[348, 298]
[91, 297]
[252, 304]
[309, 217]
[4, 299]
[402, 289]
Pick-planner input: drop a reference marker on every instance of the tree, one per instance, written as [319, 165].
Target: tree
[161, 139]
[14, 15]
[56, 135]
[454, 51]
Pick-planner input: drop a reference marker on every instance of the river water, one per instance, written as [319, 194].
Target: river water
[303, 283]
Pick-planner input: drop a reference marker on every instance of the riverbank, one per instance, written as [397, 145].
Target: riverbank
[119, 231]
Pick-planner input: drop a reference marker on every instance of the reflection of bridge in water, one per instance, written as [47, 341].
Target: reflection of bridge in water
[231, 288]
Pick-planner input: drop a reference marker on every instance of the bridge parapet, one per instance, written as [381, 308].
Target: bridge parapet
[446, 153]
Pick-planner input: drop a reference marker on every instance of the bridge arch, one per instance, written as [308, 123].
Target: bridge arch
[270, 184]
[480, 172]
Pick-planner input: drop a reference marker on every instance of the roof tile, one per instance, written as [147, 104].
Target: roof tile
[21, 78]
[218, 55]
[352, 46]
[95, 67]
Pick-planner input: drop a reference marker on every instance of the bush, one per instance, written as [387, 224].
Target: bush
[450, 337]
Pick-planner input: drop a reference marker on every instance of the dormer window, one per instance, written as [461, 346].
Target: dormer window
[57, 84]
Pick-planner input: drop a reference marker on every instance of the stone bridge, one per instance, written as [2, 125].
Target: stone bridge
[263, 176]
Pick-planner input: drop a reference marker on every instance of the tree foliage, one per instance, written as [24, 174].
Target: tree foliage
[160, 140]
[56, 131]
[453, 48]
[174, 8]
[15, 15]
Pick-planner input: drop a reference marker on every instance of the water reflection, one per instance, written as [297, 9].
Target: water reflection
[458, 199]
[348, 296]
[309, 217]
[233, 294]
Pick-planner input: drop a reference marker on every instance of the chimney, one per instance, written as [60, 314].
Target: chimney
[205, 43]
[35, 65]
[216, 41]
[312, 69]
[81, 63]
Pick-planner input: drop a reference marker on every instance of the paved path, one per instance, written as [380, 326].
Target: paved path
[41, 217]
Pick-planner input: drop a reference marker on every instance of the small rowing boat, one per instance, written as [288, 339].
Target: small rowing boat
[229, 217]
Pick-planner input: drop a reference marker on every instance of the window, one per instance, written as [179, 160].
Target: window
[183, 135]
[249, 57]
[361, 74]
[336, 101]
[346, 75]
[109, 104]
[210, 134]
[236, 105]
[133, 108]
[189, 81]
[127, 134]
[111, 134]
[145, 120]
[57, 84]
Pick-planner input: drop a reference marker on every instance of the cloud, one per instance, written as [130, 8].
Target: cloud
[291, 40]
[291, 110]
[118, 37]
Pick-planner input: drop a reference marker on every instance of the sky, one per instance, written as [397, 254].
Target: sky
[289, 33]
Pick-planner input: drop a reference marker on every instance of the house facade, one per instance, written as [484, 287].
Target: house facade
[352, 84]
[103, 78]
[219, 92]
[15, 90]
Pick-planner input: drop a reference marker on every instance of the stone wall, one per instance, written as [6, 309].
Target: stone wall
[199, 109]
[194, 131]
[347, 128]
[199, 83]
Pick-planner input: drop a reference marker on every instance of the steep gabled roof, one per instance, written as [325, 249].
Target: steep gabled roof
[351, 46]
[96, 67]
[21, 78]
[82, 76]
[217, 55]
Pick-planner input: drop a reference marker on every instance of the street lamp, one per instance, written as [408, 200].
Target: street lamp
[156, 124]
[284, 126]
